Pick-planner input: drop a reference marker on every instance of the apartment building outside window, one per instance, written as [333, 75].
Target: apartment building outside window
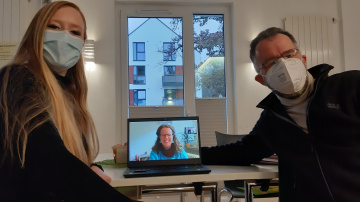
[188, 56]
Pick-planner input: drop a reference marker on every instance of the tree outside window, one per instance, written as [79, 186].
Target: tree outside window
[209, 41]
[169, 51]
[208, 44]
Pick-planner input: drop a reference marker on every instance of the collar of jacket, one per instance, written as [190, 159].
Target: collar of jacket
[272, 103]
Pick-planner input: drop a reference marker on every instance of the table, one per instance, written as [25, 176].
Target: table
[218, 173]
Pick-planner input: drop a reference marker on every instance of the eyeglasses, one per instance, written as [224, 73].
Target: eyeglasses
[273, 60]
[165, 135]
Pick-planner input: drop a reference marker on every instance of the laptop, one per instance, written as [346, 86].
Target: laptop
[175, 151]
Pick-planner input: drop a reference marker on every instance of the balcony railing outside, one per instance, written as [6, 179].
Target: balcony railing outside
[173, 81]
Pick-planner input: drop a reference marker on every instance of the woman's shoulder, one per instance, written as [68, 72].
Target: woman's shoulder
[17, 76]
[18, 83]
[16, 71]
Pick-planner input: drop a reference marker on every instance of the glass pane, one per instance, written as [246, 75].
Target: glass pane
[139, 75]
[209, 54]
[159, 53]
[141, 95]
[169, 70]
[169, 51]
[139, 51]
[141, 47]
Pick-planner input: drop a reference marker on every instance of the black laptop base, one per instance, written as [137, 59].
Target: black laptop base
[166, 171]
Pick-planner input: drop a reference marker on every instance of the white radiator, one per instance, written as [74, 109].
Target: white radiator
[314, 36]
[15, 16]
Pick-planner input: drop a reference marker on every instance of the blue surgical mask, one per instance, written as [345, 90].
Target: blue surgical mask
[61, 50]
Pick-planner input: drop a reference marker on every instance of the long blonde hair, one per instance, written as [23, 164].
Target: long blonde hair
[67, 108]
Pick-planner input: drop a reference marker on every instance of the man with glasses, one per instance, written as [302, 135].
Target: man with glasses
[310, 120]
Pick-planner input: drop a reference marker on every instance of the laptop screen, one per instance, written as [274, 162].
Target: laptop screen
[163, 141]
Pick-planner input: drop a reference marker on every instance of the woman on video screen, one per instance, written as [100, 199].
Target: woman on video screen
[167, 146]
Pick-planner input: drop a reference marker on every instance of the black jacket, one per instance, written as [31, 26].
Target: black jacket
[323, 165]
[51, 172]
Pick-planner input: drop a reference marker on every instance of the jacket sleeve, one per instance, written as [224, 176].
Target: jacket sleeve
[251, 149]
[51, 168]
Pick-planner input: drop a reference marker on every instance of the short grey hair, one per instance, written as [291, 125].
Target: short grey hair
[269, 32]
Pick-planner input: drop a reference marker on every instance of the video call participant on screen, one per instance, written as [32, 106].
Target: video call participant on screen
[167, 146]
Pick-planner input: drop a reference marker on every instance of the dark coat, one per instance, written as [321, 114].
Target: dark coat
[51, 172]
[323, 165]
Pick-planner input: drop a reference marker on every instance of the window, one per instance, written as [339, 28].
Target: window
[139, 75]
[169, 71]
[169, 51]
[189, 60]
[139, 51]
[170, 94]
[139, 98]
[210, 69]
[157, 32]
[173, 97]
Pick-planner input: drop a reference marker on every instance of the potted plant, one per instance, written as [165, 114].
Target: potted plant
[187, 139]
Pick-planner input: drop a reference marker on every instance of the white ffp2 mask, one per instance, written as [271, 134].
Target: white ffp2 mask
[287, 76]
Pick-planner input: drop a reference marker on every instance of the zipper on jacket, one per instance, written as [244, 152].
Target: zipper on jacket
[308, 125]
[283, 118]
[311, 99]
[322, 173]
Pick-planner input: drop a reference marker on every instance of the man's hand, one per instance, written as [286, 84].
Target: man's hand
[99, 172]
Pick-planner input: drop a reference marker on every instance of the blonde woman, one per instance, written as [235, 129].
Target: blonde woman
[48, 140]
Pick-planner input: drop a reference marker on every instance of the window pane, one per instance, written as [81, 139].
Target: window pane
[139, 75]
[159, 40]
[169, 51]
[139, 51]
[141, 47]
[169, 70]
[209, 56]
[139, 97]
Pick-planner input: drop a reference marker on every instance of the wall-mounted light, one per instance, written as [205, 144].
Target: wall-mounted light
[89, 54]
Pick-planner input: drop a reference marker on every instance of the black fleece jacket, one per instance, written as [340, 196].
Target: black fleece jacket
[320, 166]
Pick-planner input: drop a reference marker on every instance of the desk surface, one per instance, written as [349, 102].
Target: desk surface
[218, 173]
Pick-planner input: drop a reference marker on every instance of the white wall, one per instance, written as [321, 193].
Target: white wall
[253, 16]
[351, 32]
[250, 17]
[100, 18]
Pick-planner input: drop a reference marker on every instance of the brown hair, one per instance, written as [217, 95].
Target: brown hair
[270, 32]
[66, 108]
[158, 145]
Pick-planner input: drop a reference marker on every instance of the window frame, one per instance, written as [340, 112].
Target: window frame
[166, 67]
[136, 52]
[136, 75]
[169, 56]
[137, 95]
[186, 11]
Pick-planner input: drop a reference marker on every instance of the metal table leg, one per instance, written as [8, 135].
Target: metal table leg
[212, 187]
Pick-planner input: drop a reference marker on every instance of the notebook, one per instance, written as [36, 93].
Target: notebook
[176, 151]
